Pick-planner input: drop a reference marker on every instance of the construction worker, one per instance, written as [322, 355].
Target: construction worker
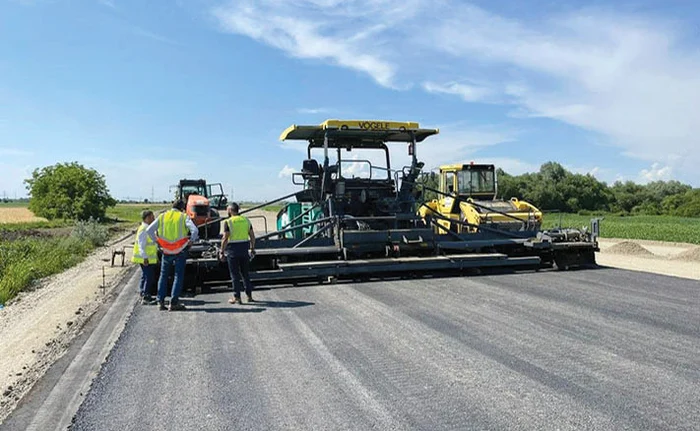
[238, 247]
[169, 231]
[147, 264]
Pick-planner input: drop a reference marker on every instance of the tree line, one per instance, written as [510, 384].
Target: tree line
[555, 188]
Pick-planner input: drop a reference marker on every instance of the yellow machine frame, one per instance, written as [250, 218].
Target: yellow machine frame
[477, 207]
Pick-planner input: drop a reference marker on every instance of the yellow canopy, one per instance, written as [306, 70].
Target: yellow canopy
[363, 130]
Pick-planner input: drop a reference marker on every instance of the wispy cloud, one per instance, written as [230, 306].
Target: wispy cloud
[286, 172]
[313, 110]
[138, 31]
[469, 93]
[134, 178]
[632, 79]
[14, 152]
[108, 3]
[278, 24]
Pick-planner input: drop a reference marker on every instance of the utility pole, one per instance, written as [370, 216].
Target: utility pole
[152, 193]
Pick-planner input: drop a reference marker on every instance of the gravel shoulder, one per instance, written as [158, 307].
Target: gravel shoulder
[37, 327]
[665, 258]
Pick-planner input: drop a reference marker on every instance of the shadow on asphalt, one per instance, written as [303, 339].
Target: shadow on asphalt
[198, 302]
[280, 304]
[232, 309]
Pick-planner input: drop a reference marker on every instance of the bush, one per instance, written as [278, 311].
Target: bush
[68, 191]
[90, 231]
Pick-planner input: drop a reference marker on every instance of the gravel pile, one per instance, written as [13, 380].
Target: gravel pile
[690, 255]
[629, 248]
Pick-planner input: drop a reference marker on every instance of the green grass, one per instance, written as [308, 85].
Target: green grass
[273, 207]
[25, 260]
[51, 224]
[33, 250]
[658, 228]
[131, 213]
[20, 204]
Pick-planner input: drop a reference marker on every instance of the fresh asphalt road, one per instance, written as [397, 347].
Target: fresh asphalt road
[601, 349]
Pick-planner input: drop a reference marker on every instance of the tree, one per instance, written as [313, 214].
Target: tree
[68, 191]
[430, 180]
[689, 204]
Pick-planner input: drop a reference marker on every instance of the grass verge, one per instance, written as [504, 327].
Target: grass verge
[131, 213]
[23, 261]
[655, 228]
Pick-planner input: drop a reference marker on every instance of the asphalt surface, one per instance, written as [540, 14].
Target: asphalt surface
[599, 349]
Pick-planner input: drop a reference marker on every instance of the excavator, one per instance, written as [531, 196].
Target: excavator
[468, 194]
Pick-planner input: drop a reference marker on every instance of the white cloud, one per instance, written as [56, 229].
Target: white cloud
[469, 93]
[509, 165]
[632, 79]
[312, 110]
[278, 24]
[286, 172]
[139, 178]
[627, 78]
[655, 173]
[458, 141]
[14, 152]
[12, 179]
[108, 3]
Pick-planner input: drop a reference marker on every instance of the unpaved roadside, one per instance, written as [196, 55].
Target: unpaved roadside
[37, 327]
[657, 257]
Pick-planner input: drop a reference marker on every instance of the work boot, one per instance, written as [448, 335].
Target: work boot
[235, 300]
[162, 306]
[177, 306]
[249, 299]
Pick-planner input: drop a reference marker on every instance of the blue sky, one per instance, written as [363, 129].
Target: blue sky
[149, 92]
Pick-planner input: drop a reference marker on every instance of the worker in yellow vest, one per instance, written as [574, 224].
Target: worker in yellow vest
[147, 263]
[238, 247]
[170, 231]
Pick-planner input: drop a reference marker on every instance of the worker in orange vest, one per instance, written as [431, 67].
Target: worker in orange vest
[170, 231]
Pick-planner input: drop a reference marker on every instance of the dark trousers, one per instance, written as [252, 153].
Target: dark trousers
[148, 273]
[239, 268]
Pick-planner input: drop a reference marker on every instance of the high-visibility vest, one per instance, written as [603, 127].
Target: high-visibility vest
[151, 248]
[172, 231]
[238, 227]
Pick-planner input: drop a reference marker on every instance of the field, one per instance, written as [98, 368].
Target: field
[131, 213]
[658, 228]
[18, 214]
